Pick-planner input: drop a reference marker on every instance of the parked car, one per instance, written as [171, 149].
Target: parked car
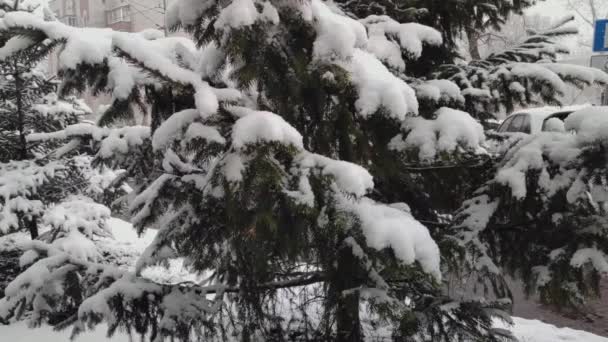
[534, 120]
[527, 121]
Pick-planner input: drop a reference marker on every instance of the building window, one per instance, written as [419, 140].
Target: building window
[119, 14]
[71, 20]
[70, 7]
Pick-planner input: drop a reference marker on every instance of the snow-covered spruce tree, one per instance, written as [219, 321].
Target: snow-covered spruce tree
[248, 194]
[29, 105]
[523, 76]
[242, 184]
[455, 19]
[25, 110]
[37, 186]
[548, 199]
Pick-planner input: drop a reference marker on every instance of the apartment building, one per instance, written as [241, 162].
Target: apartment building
[79, 12]
[123, 15]
[134, 16]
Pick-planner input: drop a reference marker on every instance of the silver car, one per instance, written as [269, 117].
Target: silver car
[534, 120]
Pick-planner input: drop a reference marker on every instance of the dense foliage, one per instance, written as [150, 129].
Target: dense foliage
[296, 155]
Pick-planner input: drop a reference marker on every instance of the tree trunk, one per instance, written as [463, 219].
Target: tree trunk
[32, 225]
[347, 312]
[473, 39]
[20, 115]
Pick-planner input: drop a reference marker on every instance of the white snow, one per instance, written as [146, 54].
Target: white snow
[350, 178]
[337, 35]
[53, 106]
[120, 78]
[378, 88]
[186, 12]
[234, 165]
[77, 49]
[197, 130]
[592, 256]
[590, 124]
[384, 226]
[151, 34]
[409, 37]
[77, 245]
[20, 332]
[142, 204]
[257, 127]
[451, 129]
[536, 331]
[303, 195]
[529, 154]
[241, 13]
[540, 73]
[78, 213]
[208, 60]
[476, 92]
[583, 73]
[238, 13]
[172, 128]
[525, 330]
[439, 90]
[18, 182]
[13, 45]
[122, 140]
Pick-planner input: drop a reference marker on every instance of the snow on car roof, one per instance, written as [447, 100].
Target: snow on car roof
[539, 114]
[548, 110]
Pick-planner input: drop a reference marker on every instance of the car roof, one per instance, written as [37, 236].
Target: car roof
[548, 110]
[561, 115]
[539, 114]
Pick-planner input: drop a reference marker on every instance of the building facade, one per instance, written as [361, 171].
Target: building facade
[122, 15]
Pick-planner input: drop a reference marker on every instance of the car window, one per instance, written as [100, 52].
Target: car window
[516, 123]
[559, 115]
[504, 125]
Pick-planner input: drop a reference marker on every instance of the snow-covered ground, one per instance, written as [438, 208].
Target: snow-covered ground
[528, 330]
[525, 330]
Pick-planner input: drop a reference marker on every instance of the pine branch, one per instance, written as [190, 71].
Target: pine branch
[307, 279]
[413, 167]
[153, 72]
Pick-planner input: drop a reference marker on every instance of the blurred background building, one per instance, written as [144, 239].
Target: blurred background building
[123, 15]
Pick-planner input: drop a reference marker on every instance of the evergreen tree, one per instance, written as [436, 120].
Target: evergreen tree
[258, 168]
[523, 76]
[34, 182]
[29, 105]
[547, 198]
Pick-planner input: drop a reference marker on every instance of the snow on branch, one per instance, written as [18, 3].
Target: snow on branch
[451, 130]
[387, 39]
[19, 182]
[111, 140]
[549, 187]
[379, 90]
[41, 290]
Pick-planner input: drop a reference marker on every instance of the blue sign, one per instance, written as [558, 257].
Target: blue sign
[600, 38]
